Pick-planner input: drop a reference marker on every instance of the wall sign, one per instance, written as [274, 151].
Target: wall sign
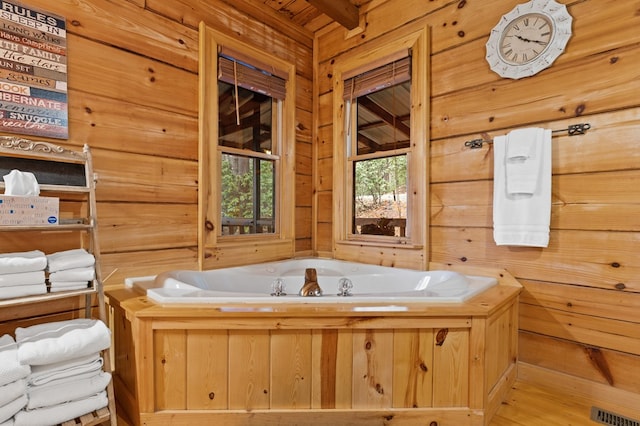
[33, 72]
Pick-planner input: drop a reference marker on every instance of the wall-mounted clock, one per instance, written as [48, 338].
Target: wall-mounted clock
[529, 38]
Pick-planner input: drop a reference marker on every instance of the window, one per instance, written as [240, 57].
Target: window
[378, 104]
[247, 125]
[246, 187]
[381, 146]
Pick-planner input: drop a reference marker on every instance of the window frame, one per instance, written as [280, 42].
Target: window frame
[411, 251]
[215, 250]
[353, 157]
[273, 155]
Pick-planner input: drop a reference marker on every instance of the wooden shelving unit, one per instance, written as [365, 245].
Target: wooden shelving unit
[68, 175]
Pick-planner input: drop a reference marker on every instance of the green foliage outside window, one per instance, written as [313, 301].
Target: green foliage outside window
[238, 180]
[380, 181]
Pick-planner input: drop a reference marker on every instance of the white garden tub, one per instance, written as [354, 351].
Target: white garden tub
[260, 283]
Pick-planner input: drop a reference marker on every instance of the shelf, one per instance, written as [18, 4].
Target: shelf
[67, 175]
[44, 297]
[47, 228]
[59, 188]
[94, 418]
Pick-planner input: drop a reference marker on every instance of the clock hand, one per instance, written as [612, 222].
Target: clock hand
[530, 41]
[523, 39]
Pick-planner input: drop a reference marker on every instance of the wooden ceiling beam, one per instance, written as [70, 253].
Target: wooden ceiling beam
[369, 143]
[386, 116]
[342, 11]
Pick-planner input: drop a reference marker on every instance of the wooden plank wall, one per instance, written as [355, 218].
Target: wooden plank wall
[578, 312]
[133, 97]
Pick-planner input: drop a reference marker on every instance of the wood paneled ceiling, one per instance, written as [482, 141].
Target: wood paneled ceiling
[309, 14]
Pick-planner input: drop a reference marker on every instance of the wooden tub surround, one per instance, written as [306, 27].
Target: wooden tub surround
[366, 364]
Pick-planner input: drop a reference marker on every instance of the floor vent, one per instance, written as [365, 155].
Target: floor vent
[608, 418]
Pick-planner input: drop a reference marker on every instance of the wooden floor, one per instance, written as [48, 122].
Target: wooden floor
[533, 405]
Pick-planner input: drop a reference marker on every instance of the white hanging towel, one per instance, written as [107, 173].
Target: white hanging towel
[522, 188]
[523, 160]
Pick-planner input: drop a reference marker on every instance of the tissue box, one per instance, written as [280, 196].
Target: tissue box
[26, 211]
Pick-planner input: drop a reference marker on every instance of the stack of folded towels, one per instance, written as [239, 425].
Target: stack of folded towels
[70, 270]
[66, 377]
[13, 380]
[22, 274]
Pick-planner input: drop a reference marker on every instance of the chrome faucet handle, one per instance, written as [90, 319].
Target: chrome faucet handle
[344, 287]
[278, 287]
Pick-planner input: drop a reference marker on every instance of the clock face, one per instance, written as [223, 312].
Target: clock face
[525, 38]
[529, 38]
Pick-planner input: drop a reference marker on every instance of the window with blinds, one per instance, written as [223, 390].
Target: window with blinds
[379, 132]
[233, 71]
[246, 152]
[396, 72]
[249, 116]
[380, 129]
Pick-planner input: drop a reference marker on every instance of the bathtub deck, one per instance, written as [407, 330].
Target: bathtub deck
[451, 362]
[527, 405]
[530, 400]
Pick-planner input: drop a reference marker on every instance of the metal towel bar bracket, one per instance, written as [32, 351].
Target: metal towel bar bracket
[572, 130]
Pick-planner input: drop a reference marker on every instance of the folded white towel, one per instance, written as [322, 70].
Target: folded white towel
[9, 410]
[524, 159]
[64, 377]
[56, 287]
[70, 259]
[82, 367]
[22, 278]
[27, 261]
[521, 143]
[8, 422]
[22, 290]
[59, 341]
[521, 219]
[58, 393]
[12, 391]
[10, 369]
[62, 412]
[75, 274]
